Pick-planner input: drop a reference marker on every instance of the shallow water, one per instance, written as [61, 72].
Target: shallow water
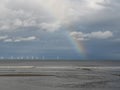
[59, 75]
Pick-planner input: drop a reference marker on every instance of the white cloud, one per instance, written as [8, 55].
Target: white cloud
[20, 39]
[92, 35]
[31, 38]
[3, 37]
[8, 40]
[101, 35]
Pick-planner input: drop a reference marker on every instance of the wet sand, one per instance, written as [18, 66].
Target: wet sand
[59, 75]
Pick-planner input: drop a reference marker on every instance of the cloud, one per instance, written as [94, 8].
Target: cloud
[31, 38]
[8, 40]
[20, 39]
[101, 35]
[3, 37]
[53, 15]
[50, 26]
[44, 14]
[92, 35]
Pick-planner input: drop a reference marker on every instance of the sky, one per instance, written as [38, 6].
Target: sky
[60, 29]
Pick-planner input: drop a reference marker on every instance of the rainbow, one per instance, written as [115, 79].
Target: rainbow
[57, 10]
[78, 46]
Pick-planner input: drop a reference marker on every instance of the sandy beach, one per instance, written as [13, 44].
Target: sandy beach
[59, 75]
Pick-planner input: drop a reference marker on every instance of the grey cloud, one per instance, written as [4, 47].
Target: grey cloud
[44, 14]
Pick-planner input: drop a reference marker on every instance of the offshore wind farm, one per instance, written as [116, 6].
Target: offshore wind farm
[30, 58]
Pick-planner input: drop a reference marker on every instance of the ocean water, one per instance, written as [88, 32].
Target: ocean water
[59, 75]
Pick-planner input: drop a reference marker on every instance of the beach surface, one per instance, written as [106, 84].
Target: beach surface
[59, 75]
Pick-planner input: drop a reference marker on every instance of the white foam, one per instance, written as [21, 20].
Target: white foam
[16, 67]
[57, 67]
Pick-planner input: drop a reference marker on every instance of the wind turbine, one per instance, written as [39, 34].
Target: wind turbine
[58, 57]
[43, 57]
